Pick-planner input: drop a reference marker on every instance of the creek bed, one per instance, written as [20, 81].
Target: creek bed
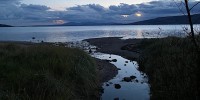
[120, 89]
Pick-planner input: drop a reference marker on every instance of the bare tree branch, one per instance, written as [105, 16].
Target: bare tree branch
[194, 6]
[191, 25]
[179, 7]
[182, 3]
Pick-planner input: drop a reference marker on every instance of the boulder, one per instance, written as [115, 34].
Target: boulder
[116, 98]
[118, 69]
[114, 60]
[127, 79]
[132, 77]
[117, 86]
[107, 84]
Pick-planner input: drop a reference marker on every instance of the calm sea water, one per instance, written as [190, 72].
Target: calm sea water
[77, 33]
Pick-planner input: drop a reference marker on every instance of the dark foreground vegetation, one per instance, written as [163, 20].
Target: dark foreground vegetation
[172, 65]
[45, 72]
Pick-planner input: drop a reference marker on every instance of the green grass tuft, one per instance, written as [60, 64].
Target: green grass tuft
[172, 65]
[45, 72]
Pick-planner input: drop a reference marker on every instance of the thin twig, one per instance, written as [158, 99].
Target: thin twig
[178, 5]
[194, 6]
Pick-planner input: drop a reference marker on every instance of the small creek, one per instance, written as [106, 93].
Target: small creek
[136, 89]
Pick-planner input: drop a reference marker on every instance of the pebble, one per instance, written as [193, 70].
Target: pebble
[116, 98]
[114, 60]
[117, 86]
[132, 77]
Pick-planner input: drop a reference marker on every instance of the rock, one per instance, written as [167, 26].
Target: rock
[118, 69]
[114, 60]
[110, 56]
[126, 61]
[90, 51]
[110, 83]
[132, 77]
[136, 80]
[107, 84]
[107, 60]
[124, 64]
[116, 98]
[127, 79]
[101, 90]
[33, 38]
[97, 48]
[117, 86]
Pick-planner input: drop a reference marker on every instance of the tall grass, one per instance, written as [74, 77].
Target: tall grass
[45, 72]
[173, 68]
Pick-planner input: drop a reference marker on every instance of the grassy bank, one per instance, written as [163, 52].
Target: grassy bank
[172, 65]
[45, 72]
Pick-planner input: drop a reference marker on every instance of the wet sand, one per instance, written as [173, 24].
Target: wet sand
[114, 45]
[105, 70]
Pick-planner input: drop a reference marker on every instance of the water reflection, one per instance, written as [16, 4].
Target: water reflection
[139, 34]
[77, 33]
[136, 89]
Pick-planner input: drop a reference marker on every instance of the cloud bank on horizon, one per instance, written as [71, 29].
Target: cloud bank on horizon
[14, 12]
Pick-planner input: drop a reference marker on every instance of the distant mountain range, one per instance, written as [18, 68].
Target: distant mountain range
[88, 24]
[3, 25]
[81, 24]
[168, 20]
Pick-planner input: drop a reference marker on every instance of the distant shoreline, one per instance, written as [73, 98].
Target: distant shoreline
[103, 25]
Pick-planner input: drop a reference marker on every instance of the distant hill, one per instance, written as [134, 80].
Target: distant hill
[81, 24]
[168, 20]
[3, 25]
[87, 24]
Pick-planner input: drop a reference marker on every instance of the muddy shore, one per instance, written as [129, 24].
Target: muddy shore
[115, 45]
[105, 70]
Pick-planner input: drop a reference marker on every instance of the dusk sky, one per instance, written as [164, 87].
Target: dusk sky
[45, 12]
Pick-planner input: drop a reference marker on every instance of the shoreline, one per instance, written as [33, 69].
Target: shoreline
[117, 46]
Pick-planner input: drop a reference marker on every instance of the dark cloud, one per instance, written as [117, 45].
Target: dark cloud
[13, 11]
[32, 7]
[123, 9]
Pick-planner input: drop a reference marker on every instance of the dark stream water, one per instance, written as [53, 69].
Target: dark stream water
[137, 89]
